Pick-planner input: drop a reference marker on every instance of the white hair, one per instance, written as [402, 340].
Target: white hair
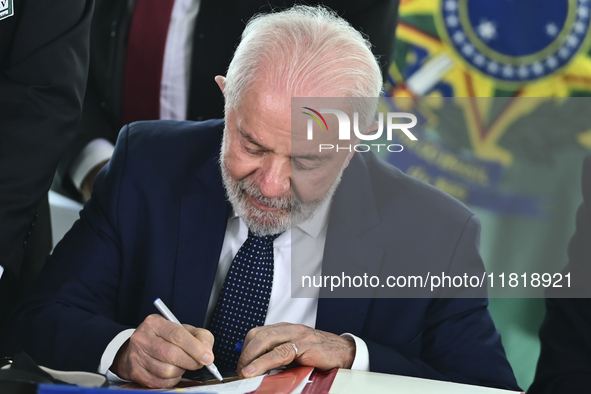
[309, 52]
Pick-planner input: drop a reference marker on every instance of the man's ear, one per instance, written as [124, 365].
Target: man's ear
[373, 127]
[221, 81]
[349, 157]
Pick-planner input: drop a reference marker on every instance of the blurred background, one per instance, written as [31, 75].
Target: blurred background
[511, 148]
[516, 159]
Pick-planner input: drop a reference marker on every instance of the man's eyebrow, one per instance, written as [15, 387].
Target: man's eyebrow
[250, 139]
[312, 157]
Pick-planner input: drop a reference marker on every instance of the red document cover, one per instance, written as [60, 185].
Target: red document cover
[321, 382]
[283, 382]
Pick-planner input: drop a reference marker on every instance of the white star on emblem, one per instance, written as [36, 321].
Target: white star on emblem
[564, 53]
[451, 5]
[459, 37]
[452, 21]
[479, 60]
[486, 30]
[572, 40]
[508, 71]
[580, 27]
[552, 62]
[538, 68]
[551, 29]
[523, 72]
[467, 49]
[493, 67]
[583, 12]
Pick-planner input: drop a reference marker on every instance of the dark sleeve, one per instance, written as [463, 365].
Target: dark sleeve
[458, 341]
[42, 83]
[564, 365]
[94, 124]
[71, 314]
[102, 101]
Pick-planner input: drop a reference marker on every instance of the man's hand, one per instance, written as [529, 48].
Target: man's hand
[269, 347]
[160, 351]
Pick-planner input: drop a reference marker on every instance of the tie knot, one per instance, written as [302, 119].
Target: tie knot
[264, 239]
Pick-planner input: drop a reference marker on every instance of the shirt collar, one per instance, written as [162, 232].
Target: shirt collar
[314, 225]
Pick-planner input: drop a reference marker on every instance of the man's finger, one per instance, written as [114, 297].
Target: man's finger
[260, 340]
[201, 334]
[256, 330]
[280, 355]
[146, 378]
[181, 337]
[169, 353]
[162, 370]
[202, 351]
[152, 373]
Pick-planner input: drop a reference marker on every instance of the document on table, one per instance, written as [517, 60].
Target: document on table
[292, 380]
[240, 386]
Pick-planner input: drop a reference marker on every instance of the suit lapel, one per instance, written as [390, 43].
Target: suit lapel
[347, 252]
[204, 215]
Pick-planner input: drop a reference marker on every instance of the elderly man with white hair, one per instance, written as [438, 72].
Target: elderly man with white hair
[207, 216]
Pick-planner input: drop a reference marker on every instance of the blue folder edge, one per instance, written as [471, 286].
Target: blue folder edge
[63, 389]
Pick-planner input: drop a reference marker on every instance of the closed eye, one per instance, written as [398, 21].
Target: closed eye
[250, 145]
[308, 162]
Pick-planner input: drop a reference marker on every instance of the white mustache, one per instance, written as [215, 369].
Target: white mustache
[248, 187]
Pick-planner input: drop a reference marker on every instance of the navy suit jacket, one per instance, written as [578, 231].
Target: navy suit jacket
[565, 335]
[155, 225]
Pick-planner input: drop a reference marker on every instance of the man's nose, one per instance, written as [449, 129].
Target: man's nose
[275, 178]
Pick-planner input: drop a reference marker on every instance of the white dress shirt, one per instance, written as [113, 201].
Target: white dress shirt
[176, 69]
[309, 238]
[174, 87]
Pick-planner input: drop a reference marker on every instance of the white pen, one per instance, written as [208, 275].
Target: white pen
[169, 316]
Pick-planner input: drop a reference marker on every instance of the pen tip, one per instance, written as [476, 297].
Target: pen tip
[223, 381]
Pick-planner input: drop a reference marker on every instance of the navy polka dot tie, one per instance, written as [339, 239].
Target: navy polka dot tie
[244, 298]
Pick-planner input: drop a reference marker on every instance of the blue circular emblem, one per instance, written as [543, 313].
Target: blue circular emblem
[517, 41]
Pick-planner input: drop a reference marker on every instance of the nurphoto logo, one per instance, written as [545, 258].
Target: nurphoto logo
[6, 9]
[345, 129]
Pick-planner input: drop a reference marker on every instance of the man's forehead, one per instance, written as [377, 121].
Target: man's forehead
[265, 94]
[312, 119]
[272, 107]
